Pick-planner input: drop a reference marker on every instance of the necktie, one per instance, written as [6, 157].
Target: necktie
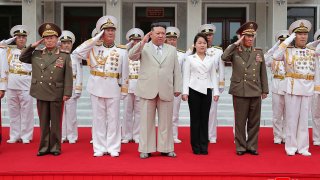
[159, 50]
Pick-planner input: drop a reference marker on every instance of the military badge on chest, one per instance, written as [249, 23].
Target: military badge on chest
[59, 62]
[258, 58]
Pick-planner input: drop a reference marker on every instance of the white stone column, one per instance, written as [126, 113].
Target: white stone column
[261, 20]
[277, 19]
[194, 13]
[49, 10]
[115, 9]
[31, 16]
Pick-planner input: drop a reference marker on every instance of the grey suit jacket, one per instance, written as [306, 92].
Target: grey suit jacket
[159, 75]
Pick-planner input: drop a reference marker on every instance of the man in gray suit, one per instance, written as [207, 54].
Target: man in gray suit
[159, 81]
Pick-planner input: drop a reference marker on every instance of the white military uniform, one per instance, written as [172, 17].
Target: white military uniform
[20, 103]
[315, 108]
[219, 65]
[278, 89]
[302, 67]
[69, 118]
[109, 71]
[175, 32]
[132, 107]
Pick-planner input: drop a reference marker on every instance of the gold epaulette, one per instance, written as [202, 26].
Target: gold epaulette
[122, 46]
[312, 48]
[181, 51]
[218, 47]
[290, 46]
[12, 46]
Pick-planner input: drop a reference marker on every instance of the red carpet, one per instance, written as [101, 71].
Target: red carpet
[77, 162]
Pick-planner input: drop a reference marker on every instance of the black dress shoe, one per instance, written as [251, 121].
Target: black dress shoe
[253, 152]
[56, 153]
[42, 153]
[204, 152]
[240, 153]
[196, 152]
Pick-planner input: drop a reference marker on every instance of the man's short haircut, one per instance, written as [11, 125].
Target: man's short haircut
[153, 25]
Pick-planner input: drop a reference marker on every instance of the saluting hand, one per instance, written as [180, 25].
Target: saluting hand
[37, 43]
[239, 41]
[146, 38]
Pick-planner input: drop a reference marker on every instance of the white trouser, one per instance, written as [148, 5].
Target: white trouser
[316, 118]
[278, 115]
[297, 134]
[20, 107]
[106, 131]
[213, 121]
[175, 116]
[131, 117]
[69, 120]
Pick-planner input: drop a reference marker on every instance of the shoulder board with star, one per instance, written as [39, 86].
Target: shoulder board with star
[181, 51]
[218, 47]
[64, 51]
[257, 49]
[122, 46]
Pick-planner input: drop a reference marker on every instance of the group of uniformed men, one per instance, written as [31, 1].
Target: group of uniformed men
[113, 77]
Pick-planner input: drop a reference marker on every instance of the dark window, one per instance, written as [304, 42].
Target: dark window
[308, 13]
[9, 17]
[145, 16]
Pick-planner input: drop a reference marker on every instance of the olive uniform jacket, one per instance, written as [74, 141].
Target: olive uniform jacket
[249, 74]
[51, 73]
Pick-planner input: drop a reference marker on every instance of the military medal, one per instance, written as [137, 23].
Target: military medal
[258, 58]
[59, 62]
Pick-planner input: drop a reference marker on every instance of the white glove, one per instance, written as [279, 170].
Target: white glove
[77, 95]
[313, 44]
[289, 39]
[221, 90]
[7, 41]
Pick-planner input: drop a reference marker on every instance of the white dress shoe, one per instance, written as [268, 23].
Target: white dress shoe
[114, 154]
[277, 141]
[124, 141]
[25, 141]
[97, 154]
[72, 141]
[177, 141]
[213, 141]
[136, 141]
[291, 153]
[316, 143]
[12, 141]
[305, 153]
[91, 141]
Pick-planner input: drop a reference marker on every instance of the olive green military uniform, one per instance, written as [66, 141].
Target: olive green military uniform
[51, 80]
[248, 82]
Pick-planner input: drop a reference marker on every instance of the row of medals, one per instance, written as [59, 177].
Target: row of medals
[113, 60]
[304, 60]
